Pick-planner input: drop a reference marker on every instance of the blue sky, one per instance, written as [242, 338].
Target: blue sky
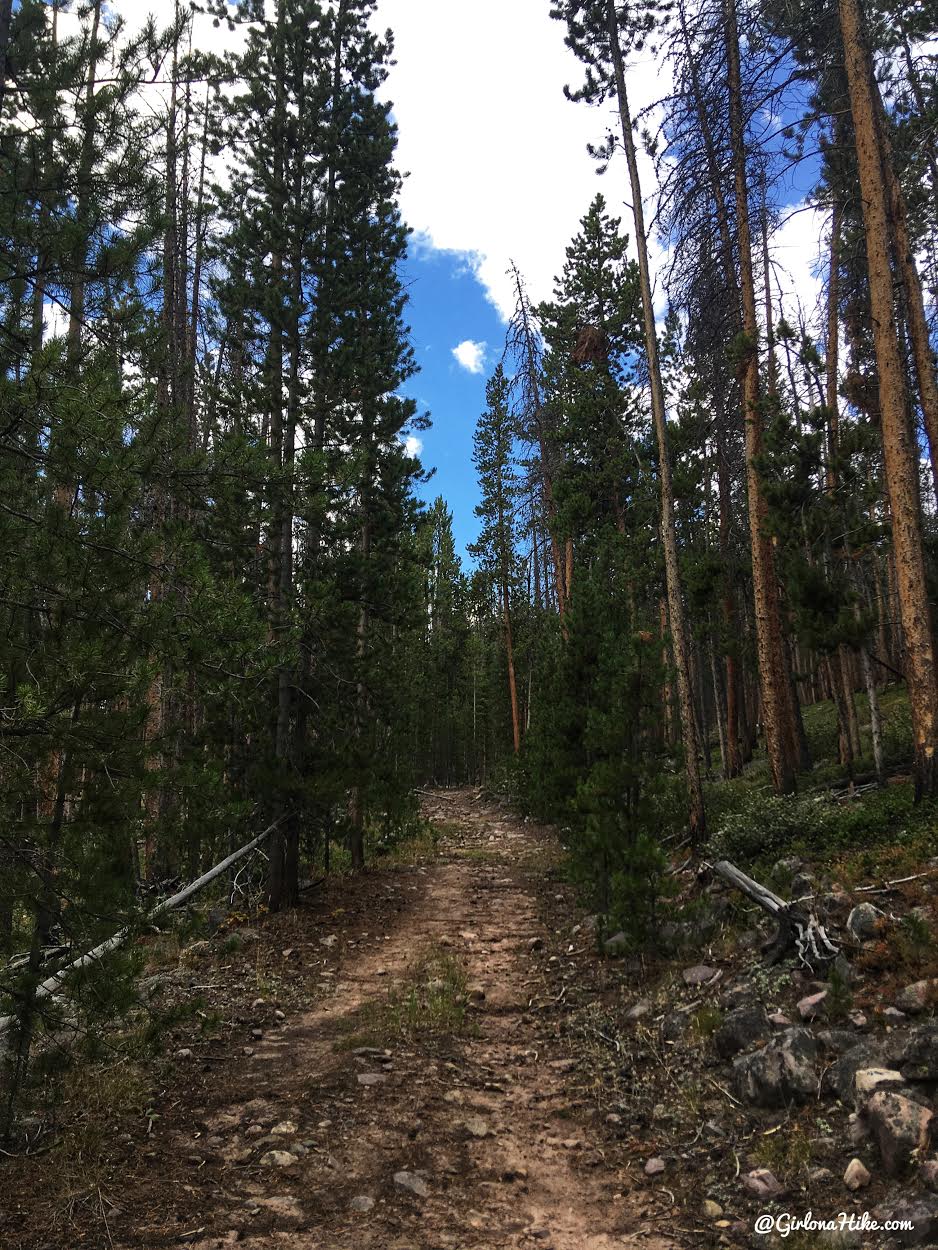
[448, 307]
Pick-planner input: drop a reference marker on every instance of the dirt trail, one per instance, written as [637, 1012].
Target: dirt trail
[482, 1124]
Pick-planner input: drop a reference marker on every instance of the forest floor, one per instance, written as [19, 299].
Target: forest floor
[387, 1068]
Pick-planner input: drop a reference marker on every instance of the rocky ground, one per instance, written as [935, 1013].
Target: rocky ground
[449, 1054]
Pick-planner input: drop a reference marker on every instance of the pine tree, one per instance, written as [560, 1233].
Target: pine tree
[495, 546]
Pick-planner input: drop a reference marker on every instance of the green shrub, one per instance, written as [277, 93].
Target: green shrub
[766, 827]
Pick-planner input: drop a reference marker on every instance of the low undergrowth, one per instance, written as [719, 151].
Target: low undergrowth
[433, 1002]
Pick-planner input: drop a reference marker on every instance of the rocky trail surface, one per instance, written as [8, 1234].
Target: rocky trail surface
[308, 1141]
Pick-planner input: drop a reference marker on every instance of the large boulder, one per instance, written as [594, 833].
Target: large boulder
[918, 997]
[915, 1052]
[782, 1072]
[869, 1081]
[743, 1028]
[839, 1077]
[921, 1212]
[901, 1127]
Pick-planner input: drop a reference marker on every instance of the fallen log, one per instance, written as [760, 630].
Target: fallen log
[53, 984]
[797, 929]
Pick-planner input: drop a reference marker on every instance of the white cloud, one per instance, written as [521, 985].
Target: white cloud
[799, 259]
[470, 355]
[413, 445]
[497, 156]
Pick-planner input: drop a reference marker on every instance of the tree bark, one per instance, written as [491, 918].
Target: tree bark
[898, 444]
[769, 639]
[697, 815]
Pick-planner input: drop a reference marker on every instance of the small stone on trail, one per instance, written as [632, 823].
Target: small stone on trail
[476, 994]
[618, 944]
[257, 1034]
[371, 1078]
[762, 1183]
[279, 1016]
[563, 1065]
[468, 936]
[278, 1159]
[856, 1175]
[700, 974]
[185, 1053]
[477, 1127]
[857, 1019]
[329, 941]
[812, 1005]
[286, 1128]
[413, 1184]
[258, 1004]
[638, 1010]
[254, 1130]
[654, 1167]
[247, 1050]
[362, 1203]
[536, 944]
[780, 1020]
[710, 1210]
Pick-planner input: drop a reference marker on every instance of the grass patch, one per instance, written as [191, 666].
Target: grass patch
[432, 1003]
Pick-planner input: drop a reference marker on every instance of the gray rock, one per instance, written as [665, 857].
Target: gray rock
[922, 1214]
[412, 1183]
[803, 883]
[362, 1204]
[869, 1081]
[763, 1184]
[900, 1128]
[710, 1210]
[639, 1010]
[783, 1071]
[675, 1024]
[371, 1078]
[812, 1005]
[839, 1077]
[929, 1173]
[477, 1127]
[741, 1029]
[278, 1159]
[856, 1176]
[837, 1041]
[654, 1167]
[918, 997]
[700, 974]
[618, 944]
[863, 922]
[916, 1052]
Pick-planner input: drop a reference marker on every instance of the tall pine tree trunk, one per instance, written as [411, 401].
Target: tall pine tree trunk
[697, 815]
[899, 453]
[769, 641]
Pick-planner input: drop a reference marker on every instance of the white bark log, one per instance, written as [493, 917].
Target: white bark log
[53, 984]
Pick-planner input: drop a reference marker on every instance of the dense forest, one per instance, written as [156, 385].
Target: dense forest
[229, 613]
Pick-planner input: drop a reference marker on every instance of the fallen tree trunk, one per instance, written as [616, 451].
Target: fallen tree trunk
[798, 930]
[51, 986]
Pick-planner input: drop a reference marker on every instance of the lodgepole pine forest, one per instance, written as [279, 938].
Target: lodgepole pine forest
[257, 684]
